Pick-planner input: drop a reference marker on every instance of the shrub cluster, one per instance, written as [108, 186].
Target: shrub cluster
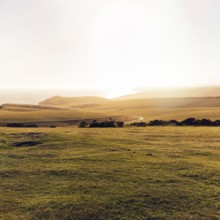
[186, 122]
[21, 125]
[103, 124]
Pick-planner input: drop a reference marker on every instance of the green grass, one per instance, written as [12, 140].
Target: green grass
[124, 173]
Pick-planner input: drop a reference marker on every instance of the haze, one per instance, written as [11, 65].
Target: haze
[109, 45]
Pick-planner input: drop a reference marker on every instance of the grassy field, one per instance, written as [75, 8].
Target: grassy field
[44, 116]
[22, 114]
[118, 173]
[55, 115]
[173, 113]
[164, 109]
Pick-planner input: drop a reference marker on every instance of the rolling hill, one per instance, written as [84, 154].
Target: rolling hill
[46, 116]
[74, 102]
[13, 113]
[102, 103]
[166, 109]
[165, 103]
[71, 110]
[150, 109]
[208, 91]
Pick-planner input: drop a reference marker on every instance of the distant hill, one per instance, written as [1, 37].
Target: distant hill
[209, 91]
[198, 102]
[90, 102]
[164, 108]
[84, 101]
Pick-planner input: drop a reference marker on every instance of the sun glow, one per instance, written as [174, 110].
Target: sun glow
[117, 92]
[114, 46]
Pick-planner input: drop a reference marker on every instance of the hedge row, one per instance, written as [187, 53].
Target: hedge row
[186, 122]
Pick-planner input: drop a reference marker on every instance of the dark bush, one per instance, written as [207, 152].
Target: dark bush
[31, 126]
[52, 126]
[173, 123]
[186, 122]
[104, 124]
[21, 125]
[189, 121]
[83, 124]
[17, 125]
[216, 123]
[120, 124]
[139, 124]
[206, 122]
[157, 123]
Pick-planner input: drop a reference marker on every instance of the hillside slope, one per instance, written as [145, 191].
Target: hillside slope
[166, 109]
[11, 113]
[163, 103]
[209, 91]
[85, 101]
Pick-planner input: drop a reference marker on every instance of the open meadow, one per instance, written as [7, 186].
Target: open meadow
[110, 173]
[110, 110]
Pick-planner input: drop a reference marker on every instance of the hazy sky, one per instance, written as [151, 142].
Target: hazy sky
[109, 44]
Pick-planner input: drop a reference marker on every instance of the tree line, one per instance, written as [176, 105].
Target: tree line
[102, 124]
[186, 122]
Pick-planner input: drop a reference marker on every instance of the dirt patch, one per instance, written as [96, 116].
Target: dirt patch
[27, 143]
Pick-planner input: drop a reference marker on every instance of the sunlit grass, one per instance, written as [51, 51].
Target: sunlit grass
[124, 173]
[33, 115]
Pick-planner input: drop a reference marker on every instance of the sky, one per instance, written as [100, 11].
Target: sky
[113, 46]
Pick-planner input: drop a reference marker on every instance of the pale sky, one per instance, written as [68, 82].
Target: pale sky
[109, 44]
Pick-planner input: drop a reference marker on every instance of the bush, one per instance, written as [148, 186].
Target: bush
[157, 123]
[83, 124]
[189, 121]
[103, 124]
[139, 124]
[186, 122]
[120, 124]
[173, 122]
